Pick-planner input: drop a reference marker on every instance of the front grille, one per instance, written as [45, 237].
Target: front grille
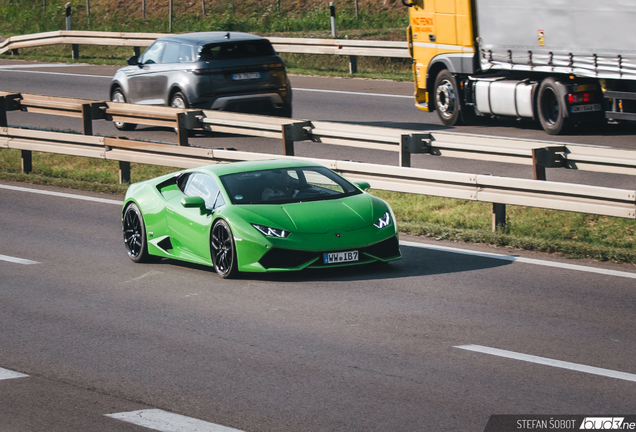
[288, 258]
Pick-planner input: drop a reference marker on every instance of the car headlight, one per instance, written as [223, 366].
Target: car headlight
[271, 232]
[384, 221]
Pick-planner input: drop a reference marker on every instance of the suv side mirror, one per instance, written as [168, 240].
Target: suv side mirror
[133, 60]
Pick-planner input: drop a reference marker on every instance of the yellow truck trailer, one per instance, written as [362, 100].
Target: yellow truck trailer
[561, 62]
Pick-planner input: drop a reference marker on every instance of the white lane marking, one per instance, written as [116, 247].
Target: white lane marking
[17, 260]
[55, 73]
[532, 261]
[9, 374]
[550, 362]
[352, 93]
[40, 65]
[165, 421]
[21, 68]
[62, 195]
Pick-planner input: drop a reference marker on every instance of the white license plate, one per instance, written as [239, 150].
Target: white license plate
[340, 257]
[586, 108]
[246, 76]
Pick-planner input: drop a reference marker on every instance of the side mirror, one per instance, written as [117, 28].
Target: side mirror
[363, 185]
[193, 202]
[133, 60]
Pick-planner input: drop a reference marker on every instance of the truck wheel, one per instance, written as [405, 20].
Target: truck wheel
[446, 98]
[551, 108]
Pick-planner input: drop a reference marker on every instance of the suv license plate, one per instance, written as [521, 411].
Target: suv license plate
[586, 108]
[340, 257]
[246, 76]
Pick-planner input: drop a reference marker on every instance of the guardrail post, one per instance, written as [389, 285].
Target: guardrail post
[293, 132]
[547, 157]
[288, 142]
[137, 51]
[87, 119]
[412, 144]
[75, 47]
[353, 64]
[182, 131]
[26, 160]
[124, 172]
[498, 216]
[3, 113]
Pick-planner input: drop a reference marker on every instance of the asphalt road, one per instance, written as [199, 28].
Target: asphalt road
[359, 349]
[355, 101]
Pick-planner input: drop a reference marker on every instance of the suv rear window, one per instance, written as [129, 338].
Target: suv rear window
[233, 50]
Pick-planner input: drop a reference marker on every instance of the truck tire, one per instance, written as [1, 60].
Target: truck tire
[446, 98]
[551, 108]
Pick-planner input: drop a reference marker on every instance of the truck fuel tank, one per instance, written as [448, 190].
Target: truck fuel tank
[505, 97]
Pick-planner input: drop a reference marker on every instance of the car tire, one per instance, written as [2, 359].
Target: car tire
[118, 96]
[178, 100]
[446, 98]
[551, 108]
[223, 250]
[134, 230]
[286, 112]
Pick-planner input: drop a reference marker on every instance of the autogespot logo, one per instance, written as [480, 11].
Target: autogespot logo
[606, 423]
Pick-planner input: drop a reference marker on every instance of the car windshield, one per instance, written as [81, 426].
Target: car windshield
[286, 185]
[234, 50]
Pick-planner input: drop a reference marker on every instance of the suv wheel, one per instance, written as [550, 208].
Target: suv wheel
[118, 96]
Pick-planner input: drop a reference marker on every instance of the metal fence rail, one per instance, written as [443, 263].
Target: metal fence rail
[500, 190]
[540, 154]
[351, 48]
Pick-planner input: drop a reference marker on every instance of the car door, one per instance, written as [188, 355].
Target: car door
[147, 85]
[190, 226]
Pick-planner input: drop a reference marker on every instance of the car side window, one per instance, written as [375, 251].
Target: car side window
[186, 54]
[204, 186]
[171, 53]
[153, 53]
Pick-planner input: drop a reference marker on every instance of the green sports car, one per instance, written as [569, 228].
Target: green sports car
[258, 216]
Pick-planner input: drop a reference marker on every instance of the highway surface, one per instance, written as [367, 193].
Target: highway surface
[437, 341]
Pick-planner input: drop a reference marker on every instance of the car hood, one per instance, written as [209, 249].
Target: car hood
[315, 217]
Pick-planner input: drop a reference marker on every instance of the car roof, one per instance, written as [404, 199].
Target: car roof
[238, 167]
[204, 38]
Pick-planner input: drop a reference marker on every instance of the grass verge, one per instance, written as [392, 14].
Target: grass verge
[572, 235]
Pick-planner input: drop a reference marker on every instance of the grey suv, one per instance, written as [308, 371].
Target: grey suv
[229, 71]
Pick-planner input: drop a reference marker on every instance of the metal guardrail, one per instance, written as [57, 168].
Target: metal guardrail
[351, 48]
[498, 190]
[539, 154]
[501, 190]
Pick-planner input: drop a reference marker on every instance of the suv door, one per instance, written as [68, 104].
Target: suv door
[147, 84]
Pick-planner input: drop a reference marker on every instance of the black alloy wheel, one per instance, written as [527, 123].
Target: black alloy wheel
[135, 234]
[223, 251]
